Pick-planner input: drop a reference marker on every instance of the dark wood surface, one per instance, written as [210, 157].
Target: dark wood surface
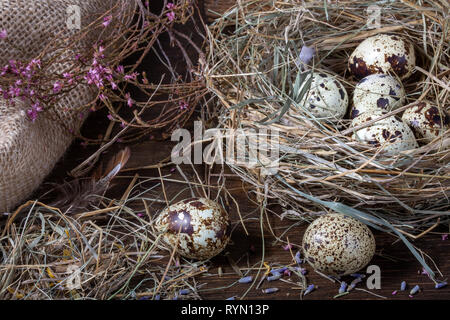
[393, 258]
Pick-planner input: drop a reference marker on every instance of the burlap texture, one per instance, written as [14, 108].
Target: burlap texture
[29, 150]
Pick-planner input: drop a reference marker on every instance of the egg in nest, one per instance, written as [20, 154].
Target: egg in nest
[327, 98]
[390, 133]
[427, 121]
[383, 54]
[377, 92]
[337, 245]
[199, 225]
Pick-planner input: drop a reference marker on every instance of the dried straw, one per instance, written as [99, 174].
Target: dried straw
[253, 70]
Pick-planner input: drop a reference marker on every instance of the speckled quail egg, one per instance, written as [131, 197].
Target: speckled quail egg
[427, 121]
[338, 245]
[377, 92]
[327, 98]
[383, 53]
[390, 133]
[203, 227]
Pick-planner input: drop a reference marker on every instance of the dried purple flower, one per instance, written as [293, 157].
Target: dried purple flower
[306, 54]
[440, 285]
[3, 34]
[170, 15]
[354, 283]
[130, 101]
[394, 292]
[57, 86]
[184, 292]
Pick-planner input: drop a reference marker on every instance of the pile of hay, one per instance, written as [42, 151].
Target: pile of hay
[253, 70]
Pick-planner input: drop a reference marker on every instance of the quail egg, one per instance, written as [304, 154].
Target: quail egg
[199, 228]
[383, 53]
[390, 133]
[377, 92]
[327, 98]
[427, 121]
[338, 245]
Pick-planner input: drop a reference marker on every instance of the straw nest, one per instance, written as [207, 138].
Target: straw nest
[254, 70]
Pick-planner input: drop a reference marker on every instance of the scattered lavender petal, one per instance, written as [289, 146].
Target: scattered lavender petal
[441, 285]
[306, 54]
[308, 290]
[297, 257]
[403, 286]
[425, 272]
[343, 287]
[246, 279]
[287, 272]
[358, 275]
[270, 290]
[414, 290]
[394, 292]
[287, 247]
[231, 298]
[444, 237]
[353, 284]
[274, 277]
[277, 271]
[184, 292]
[157, 297]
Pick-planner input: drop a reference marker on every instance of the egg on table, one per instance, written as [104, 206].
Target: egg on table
[377, 92]
[427, 121]
[390, 133]
[338, 245]
[383, 54]
[327, 98]
[198, 227]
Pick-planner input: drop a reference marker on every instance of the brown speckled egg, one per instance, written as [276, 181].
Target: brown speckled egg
[327, 98]
[390, 133]
[377, 92]
[383, 53]
[427, 121]
[337, 245]
[202, 224]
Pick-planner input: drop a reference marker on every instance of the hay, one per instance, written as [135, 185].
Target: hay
[253, 70]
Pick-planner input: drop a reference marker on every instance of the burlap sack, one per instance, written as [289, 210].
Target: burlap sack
[29, 150]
